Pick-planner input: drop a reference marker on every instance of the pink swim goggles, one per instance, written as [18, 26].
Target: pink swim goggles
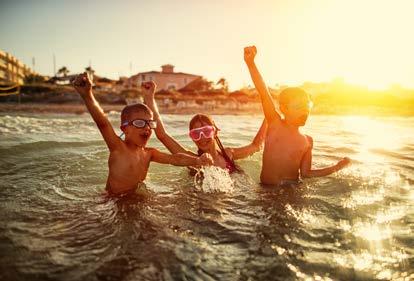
[206, 131]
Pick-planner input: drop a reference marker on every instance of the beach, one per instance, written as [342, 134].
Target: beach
[81, 109]
[255, 109]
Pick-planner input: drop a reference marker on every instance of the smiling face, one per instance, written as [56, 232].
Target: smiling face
[295, 105]
[199, 121]
[134, 135]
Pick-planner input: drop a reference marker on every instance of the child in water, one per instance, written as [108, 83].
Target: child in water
[129, 159]
[204, 132]
[287, 152]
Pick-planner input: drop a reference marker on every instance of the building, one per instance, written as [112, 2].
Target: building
[104, 84]
[166, 79]
[12, 70]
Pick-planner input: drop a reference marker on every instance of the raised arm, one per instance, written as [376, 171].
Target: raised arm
[306, 170]
[180, 159]
[267, 101]
[83, 86]
[148, 89]
[245, 151]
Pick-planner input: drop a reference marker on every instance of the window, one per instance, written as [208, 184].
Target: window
[143, 77]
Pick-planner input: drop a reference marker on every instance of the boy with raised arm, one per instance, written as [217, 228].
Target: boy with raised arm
[287, 152]
[129, 159]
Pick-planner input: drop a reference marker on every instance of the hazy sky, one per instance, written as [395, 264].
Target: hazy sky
[365, 42]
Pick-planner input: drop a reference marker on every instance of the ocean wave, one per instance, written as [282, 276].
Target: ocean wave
[48, 145]
[59, 224]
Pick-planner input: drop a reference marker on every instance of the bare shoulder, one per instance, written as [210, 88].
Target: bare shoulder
[310, 141]
[119, 146]
[275, 124]
[149, 153]
[151, 150]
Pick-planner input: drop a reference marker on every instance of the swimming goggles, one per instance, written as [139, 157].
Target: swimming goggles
[206, 131]
[300, 105]
[141, 123]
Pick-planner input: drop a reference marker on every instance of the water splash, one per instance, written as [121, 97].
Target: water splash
[212, 179]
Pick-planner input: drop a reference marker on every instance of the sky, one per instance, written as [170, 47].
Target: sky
[365, 42]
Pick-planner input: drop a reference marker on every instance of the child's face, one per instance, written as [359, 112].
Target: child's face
[297, 110]
[138, 136]
[204, 143]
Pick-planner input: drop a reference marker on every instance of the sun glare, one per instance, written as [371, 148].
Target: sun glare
[368, 43]
[372, 134]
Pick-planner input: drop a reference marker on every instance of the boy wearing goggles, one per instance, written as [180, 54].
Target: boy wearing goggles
[129, 159]
[287, 152]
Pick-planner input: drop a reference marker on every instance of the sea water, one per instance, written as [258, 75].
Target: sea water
[57, 223]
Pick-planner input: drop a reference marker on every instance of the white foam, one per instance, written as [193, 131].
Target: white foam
[211, 179]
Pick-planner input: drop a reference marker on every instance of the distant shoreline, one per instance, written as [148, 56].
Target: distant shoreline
[42, 108]
[72, 108]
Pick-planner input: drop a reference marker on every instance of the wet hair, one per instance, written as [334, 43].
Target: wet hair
[292, 93]
[134, 108]
[206, 119]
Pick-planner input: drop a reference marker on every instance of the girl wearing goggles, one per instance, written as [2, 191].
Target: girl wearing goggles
[204, 133]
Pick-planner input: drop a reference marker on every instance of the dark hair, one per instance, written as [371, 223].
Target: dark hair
[202, 118]
[128, 110]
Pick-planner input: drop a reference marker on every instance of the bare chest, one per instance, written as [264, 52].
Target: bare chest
[286, 146]
[129, 164]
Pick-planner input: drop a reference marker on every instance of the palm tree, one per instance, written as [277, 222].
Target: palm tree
[223, 83]
[90, 72]
[63, 71]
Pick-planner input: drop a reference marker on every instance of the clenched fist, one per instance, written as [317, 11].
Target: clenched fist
[148, 88]
[249, 54]
[82, 84]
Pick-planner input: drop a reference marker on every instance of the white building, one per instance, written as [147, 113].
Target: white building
[166, 79]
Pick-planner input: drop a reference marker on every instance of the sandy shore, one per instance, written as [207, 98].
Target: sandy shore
[53, 108]
[40, 108]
